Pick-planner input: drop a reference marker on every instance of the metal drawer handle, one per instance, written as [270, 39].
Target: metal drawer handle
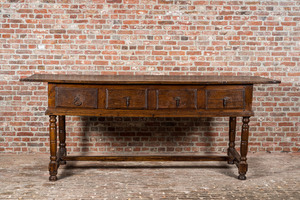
[77, 101]
[177, 99]
[127, 101]
[225, 101]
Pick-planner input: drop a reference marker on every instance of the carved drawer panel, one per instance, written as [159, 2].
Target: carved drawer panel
[225, 98]
[126, 99]
[177, 98]
[76, 97]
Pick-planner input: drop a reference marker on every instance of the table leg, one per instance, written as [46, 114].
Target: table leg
[232, 131]
[243, 166]
[53, 148]
[62, 138]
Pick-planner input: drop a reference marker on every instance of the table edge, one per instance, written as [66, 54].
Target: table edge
[36, 78]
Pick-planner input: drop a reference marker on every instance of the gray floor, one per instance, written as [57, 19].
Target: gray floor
[270, 176]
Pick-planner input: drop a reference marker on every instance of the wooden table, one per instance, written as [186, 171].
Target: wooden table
[149, 96]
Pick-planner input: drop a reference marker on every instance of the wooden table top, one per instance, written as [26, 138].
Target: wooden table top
[148, 79]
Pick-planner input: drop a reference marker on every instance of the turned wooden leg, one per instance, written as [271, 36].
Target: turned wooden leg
[243, 166]
[232, 131]
[62, 138]
[53, 148]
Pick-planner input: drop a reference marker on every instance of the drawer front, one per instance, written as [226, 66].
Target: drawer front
[126, 99]
[225, 98]
[179, 99]
[76, 97]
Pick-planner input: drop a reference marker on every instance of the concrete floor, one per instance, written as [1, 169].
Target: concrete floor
[270, 176]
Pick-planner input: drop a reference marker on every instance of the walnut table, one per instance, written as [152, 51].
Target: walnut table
[149, 96]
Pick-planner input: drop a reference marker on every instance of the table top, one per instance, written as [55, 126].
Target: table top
[148, 79]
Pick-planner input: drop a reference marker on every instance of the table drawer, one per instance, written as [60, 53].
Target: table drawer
[225, 98]
[126, 99]
[176, 98]
[76, 97]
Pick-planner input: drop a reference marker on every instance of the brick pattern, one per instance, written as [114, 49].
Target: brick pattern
[174, 37]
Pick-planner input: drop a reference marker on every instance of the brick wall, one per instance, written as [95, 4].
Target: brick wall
[173, 37]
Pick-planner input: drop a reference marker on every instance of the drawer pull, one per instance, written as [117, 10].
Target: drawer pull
[77, 101]
[127, 101]
[225, 101]
[177, 99]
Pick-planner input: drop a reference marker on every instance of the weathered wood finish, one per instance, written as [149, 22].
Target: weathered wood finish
[53, 165]
[243, 166]
[150, 100]
[225, 99]
[235, 155]
[69, 97]
[126, 98]
[149, 79]
[180, 98]
[62, 138]
[145, 158]
[232, 129]
[149, 96]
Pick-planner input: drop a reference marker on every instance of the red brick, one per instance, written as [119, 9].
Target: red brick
[114, 1]
[61, 31]
[245, 33]
[200, 2]
[165, 1]
[149, 37]
[131, 22]
[25, 11]
[176, 53]
[288, 23]
[165, 22]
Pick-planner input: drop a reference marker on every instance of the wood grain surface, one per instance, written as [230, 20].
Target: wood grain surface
[147, 79]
